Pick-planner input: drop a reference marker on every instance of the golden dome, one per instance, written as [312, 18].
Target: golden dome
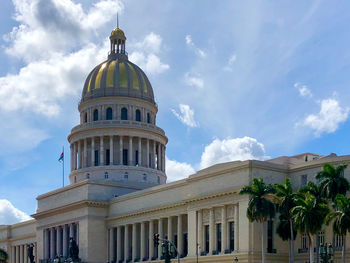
[117, 33]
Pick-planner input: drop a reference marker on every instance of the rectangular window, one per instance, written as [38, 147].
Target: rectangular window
[96, 157]
[150, 160]
[304, 241]
[269, 236]
[218, 237]
[108, 157]
[303, 180]
[137, 157]
[125, 156]
[338, 241]
[206, 231]
[321, 238]
[232, 236]
[185, 245]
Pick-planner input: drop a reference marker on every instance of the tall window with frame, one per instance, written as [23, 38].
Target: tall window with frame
[206, 234]
[124, 114]
[138, 115]
[218, 237]
[95, 117]
[96, 158]
[321, 238]
[304, 242]
[270, 236]
[108, 157]
[109, 113]
[338, 241]
[232, 235]
[125, 156]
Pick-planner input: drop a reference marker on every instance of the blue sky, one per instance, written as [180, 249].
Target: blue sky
[233, 80]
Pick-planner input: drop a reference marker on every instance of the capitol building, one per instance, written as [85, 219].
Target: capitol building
[118, 196]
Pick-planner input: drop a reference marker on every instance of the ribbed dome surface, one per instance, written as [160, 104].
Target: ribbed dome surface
[117, 76]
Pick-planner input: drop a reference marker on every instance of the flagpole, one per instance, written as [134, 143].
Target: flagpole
[63, 167]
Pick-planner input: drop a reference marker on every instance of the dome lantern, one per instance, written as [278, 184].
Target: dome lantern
[117, 39]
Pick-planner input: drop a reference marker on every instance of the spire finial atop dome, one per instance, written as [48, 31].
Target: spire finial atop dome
[118, 40]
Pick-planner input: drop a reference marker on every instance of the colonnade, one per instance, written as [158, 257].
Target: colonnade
[56, 240]
[117, 150]
[210, 232]
[135, 241]
[19, 253]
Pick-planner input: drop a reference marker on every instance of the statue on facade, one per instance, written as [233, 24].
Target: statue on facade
[30, 253]
[73, 250]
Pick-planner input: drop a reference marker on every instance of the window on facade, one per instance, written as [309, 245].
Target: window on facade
[218, 237]
[85, 117]
[124, 114]
[232, 235]
[304, 241]
[145, 177]
[338, 241]
[185, 250]
[125, 156]
[108, 157]
[206, 234]
[136, 157]
[95, 115]
[303, 179]
[96, 158]
[321, 237]
[148, 118]
[106, 175]
[109, 114]
[126, 176]
[150, 160]
[138, 115]
[342, 173]
[269, 236]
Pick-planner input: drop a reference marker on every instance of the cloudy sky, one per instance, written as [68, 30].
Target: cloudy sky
[234, 80]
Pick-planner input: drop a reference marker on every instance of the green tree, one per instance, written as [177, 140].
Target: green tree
[259, 209]
[333, 181]
[308, 216]
[3, 256]
[341, 219]
[285, 200]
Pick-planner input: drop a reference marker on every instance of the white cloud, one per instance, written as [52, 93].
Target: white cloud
[230, 62]
[146, 54]
[303, 90]
[329, 118]
[190, 43]
[177, 170]
[194, 80]
[10, 214]
[219, 151]
[186, 115]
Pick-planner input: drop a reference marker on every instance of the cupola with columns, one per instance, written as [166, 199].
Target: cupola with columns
[117, 138]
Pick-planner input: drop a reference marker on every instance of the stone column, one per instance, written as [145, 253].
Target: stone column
[47, 244]
[134, 242]
[85, 153]
[130, 152]
[236, 228]
[139, 152]
[151, 243]
[21, 260]
[126, 243]
[223, 230]
[101, 151]
[163, 158]
[180, 246]
[200, 231]
[170, 228]
[65, 241]
[17, 254]
[13, 254]
[111, 245]
[71, 230]
[111, 150]
[121, 150]
[71, 157]
[119, 244]
[143, 241]
[154, 155]
[211, 231]
[161, 235]
[79, 156]
[92, 151]
[147, 152]
[25, 253]
[158, 158]
[58, 241]
[52, 243]
[74, 156]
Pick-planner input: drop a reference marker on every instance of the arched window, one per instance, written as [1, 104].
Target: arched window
[124, 114]
[96, 115]
[138, 115]
[85, 117]
[109, 114]
[148, 118]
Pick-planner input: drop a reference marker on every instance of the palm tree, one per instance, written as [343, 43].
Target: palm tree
[308, 217]
[3, 256]
[341, 219]
[259, 208]
[333, 180]
[284, 198]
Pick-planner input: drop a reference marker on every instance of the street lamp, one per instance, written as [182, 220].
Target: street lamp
[235, 260]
